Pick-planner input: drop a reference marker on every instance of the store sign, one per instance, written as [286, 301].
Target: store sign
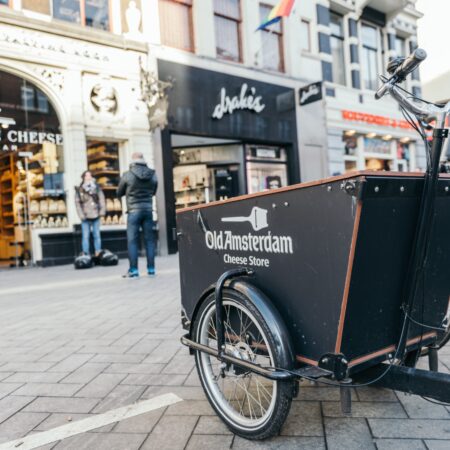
[311, 93]
[263, 244]
[15, 137]
[247, 99]
[374, 120]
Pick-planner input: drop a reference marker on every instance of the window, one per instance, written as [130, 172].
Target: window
[227, 21]
[272, 42]
[4, 2]
[305, 40]
[400, 48]
[176, 24]
[92, 13]
[369, 37]
[337, 47]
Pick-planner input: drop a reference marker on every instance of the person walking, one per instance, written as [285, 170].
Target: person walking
[139, 185]
[90, 204]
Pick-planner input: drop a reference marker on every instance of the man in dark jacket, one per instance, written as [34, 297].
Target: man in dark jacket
[139, 186]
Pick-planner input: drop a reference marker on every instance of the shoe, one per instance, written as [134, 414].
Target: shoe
[151, 271]
[132, 273]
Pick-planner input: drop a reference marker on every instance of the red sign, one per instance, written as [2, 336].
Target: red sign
[374, 120]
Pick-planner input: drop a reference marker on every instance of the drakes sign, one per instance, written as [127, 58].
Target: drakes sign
[247, 99]
[310, 93]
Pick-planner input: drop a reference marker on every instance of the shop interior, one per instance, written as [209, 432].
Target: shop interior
[209, 169]
[375, 152]
[103, 162]
[32, 191]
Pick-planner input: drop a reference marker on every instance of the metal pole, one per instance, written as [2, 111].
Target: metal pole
[28, 216]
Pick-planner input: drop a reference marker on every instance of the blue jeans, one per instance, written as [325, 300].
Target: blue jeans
[136, 221]
[86, 226]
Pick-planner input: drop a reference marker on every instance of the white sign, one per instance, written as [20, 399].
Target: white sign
[32, 137]
[247, 99]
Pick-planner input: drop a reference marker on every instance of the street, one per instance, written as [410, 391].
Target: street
[74, 344]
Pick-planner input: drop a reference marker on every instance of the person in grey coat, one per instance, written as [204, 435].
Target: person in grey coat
[91, 205]
[139, 185]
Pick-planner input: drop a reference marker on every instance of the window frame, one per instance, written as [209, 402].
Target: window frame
[308, 25]
[83, 16]
[341, 38]
[190, 5]
[239, 29]
[280, 37]
[377, 51]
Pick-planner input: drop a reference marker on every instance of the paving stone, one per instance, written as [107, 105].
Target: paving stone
[410, 428]
[280, 443]
[144, 423]
[104, 349]
[120, 396]
[8, 388]
[318, 393]
[19, 425]
[10, 405]
[5, 375]
[48, 389]
[59, 354]
[348, 434]
[187, 407]
[71, 363]
[58, 419]
[366, 409]
[171, 433]
[372, 394]
[202, 442]
[101, 385]
[304, 420]
[27, 367]
[145, 346]
[62, 405]
[193, 379]
[111, 441]
[211, 425]
[400, 444]
[437, 444]
[184, 392]
[36, 377]
[112, 358]
[85, 373]
[180, 365]
[135, 368]
[418, 408]
[154, 380]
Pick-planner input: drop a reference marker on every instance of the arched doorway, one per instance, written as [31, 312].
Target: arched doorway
[31, 167]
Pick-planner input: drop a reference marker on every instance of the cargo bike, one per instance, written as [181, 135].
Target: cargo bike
[345, 281]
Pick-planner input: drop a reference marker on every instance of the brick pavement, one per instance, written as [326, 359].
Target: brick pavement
[78, 343]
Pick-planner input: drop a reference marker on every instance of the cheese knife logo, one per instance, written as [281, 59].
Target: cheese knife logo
[257, 218]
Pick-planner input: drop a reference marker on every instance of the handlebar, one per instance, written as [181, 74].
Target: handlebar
[403, 70]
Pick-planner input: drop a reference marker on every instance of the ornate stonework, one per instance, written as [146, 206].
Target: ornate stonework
[53, 77]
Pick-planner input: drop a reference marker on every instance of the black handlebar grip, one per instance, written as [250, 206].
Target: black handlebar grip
[410, 63]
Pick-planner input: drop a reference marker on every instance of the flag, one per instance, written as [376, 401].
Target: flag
[282, 9]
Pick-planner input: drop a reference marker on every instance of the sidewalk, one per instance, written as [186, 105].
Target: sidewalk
[74, 344]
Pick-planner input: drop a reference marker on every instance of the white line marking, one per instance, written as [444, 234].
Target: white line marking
[90, 423]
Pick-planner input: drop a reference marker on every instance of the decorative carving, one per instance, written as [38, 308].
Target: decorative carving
[53, 77]
[154, 94]
[103, 98]
[38, 41]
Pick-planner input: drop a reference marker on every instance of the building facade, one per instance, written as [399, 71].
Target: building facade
[246, 110]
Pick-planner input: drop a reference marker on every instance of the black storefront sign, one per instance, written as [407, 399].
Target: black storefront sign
[310, 93]
[214, 104]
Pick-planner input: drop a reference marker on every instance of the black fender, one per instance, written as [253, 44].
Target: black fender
[269, 312]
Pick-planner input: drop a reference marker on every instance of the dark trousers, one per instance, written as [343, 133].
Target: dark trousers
[136, 221]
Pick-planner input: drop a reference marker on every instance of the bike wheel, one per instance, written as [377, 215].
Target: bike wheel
[250, 405]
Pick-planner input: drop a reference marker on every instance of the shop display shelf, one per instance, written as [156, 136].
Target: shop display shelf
[105, 172]
[101, 157]
[191, 189]
[8, 214]
[109, 188]
[6, 191]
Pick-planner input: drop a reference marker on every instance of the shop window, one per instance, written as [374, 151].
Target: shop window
[39, 6]
[5, 2]
[176, 24]
[266, 168]
[92, 13]
[227, 21]
[272, 42]
[370, 66]
[32, 191]
[305, 35]
[400, 47]
[337, 47]
[103, 163]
